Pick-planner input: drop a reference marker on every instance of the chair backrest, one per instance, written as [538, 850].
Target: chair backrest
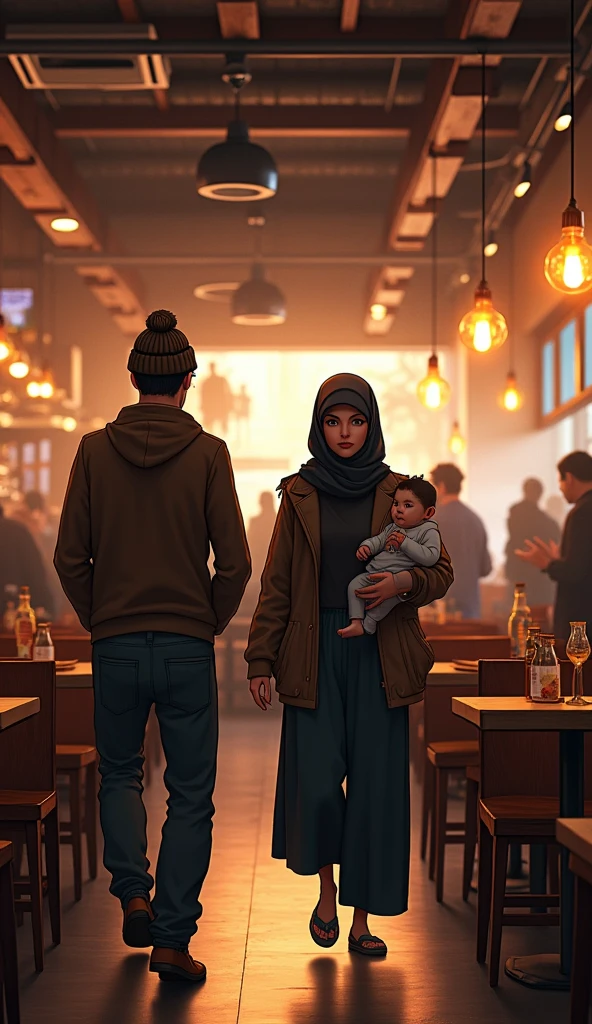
[439, 721]
[522, 763]
[472, 648]
[75, 715]
[27, 750]
[461, 627]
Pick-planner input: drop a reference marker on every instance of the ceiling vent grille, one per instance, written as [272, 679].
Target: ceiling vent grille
[103, 71]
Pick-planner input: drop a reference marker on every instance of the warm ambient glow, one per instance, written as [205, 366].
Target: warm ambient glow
[563, 120]
[69, 424]
[568, 265]
[512, 398]
[491, 246]
[6, 348]
[456, 442]
[464, 278]
[433, 391]
[34, 389]
[65, 224]
[483, 328]
[378, 311]
[20, 367]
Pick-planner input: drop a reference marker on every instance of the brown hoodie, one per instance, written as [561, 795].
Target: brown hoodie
[146, 498]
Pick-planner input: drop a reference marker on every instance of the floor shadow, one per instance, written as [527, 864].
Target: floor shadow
[126, 991]
[173, 1001]
[351, 991]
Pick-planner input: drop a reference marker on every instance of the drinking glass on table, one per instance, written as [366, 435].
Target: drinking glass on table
[578, 651]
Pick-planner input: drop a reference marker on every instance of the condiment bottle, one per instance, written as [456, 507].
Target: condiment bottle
[43, 649]
[24, 625]
[532, 642]
[519, 622]
[545, 686]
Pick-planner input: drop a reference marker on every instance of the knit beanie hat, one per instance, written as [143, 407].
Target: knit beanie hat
[161, 349]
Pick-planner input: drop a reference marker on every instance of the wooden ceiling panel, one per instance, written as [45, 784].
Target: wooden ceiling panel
[239, 19]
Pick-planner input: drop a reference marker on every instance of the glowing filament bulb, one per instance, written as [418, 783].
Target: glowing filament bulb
[568, 265]
[483, 328]
[482, 342]
[511, 399]
[433, 391]
[573, 272]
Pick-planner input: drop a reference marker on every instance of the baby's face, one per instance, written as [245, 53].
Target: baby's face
[407, 510]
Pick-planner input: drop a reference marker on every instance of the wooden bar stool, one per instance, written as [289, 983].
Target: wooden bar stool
[28, 804]
[9, 986]
[77, 764]
[446, 756]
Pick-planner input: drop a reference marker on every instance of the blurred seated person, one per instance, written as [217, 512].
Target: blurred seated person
[570, 565]
[21, 564]
[465, 539]
[526, 520]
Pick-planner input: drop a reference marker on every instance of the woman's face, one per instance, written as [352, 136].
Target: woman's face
[345, 429]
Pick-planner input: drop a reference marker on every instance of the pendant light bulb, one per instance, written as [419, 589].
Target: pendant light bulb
[483, 328]
[433, 391]
[522, 186]
[456, 441]
[563, 119]
[512, 398]
[491, 246]
[568, 265]
[19, 367]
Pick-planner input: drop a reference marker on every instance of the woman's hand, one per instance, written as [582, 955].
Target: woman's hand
[363, 553]
[384, 586]
[260, 687]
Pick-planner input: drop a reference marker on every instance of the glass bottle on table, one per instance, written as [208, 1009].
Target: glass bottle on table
[43, 649]
[578, 651]
[545, 685]
[532, 641]
[25, 625]
[519, 622]
[10, 603]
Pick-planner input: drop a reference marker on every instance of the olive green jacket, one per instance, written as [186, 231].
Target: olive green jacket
[284, 636]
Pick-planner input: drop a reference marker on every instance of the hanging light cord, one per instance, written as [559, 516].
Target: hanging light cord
[511, 304]
[483, 166]
[434, 259]
[572, 98]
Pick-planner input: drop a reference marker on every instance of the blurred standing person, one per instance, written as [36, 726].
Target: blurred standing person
[465, 538]
[570, 565]
[526, 520]
[242, 412]
[147, 497]
[555, 507]
[216, 401]
[21, 563]
[259, 533]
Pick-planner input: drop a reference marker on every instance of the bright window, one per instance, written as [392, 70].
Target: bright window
[567, 363]
[548, 375]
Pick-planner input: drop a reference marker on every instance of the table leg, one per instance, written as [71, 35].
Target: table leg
[550, 971]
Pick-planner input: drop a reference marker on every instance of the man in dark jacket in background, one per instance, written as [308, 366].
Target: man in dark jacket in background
[526, 520]
[571, 565]
[146, 498]
[21, 564]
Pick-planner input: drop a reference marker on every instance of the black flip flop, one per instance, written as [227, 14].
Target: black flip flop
[357, 945]
[324, 926]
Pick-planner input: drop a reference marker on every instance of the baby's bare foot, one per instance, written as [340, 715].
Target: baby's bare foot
[355, 628]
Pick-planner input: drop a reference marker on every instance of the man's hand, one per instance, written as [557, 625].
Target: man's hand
[539, 553]
[384, 585]
[394, 540]
[363, 553]
[260, 687]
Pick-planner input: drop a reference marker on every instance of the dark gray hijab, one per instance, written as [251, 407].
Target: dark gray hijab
[331, 473]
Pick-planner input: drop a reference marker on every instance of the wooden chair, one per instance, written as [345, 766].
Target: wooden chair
[28, 803]
[77, 764]
[576, 835]
[519, 803]
[9, 986]
[451, 744]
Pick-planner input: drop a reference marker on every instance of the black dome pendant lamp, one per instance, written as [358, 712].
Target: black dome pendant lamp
[237, 170]
[258, 303]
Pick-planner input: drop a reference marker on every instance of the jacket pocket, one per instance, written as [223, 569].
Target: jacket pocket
[418, 656]
[189, 683]
[119, 690]
[282, 664]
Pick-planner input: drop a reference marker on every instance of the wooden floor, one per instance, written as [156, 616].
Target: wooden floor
[263, 967]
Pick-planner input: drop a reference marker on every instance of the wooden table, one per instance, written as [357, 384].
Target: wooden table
[516, 714]
[79, 677]
[576, 835]
[443, 673]
[17, 709]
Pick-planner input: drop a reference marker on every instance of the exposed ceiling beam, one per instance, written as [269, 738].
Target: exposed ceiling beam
[350, 10]
[239, 19]
[39, 172]
[131, 14]
[280, 121]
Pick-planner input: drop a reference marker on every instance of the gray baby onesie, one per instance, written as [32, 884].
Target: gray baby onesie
[422, 546]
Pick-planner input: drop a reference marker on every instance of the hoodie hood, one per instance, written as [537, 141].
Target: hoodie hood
[149, 434]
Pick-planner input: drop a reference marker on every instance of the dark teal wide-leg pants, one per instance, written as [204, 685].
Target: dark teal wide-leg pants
[354, 736]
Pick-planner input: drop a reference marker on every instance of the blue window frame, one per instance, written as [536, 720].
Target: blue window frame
[567, 362]
[588, 347]
[548, 378]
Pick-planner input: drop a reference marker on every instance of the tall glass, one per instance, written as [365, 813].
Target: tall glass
[578, 651]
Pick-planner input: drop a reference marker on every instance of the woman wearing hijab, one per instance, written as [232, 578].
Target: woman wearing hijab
[345, 704]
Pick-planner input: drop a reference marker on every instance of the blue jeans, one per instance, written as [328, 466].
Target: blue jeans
[177, 674]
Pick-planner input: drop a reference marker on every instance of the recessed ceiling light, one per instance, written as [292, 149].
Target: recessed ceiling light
[65, 225]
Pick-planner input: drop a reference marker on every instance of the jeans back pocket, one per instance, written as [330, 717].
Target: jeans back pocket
[189, 682]
[119, 690]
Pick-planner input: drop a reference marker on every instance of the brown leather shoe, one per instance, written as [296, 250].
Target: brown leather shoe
[173, 964]
[136, 923]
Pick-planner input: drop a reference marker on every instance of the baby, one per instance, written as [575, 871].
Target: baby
[412, 539]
